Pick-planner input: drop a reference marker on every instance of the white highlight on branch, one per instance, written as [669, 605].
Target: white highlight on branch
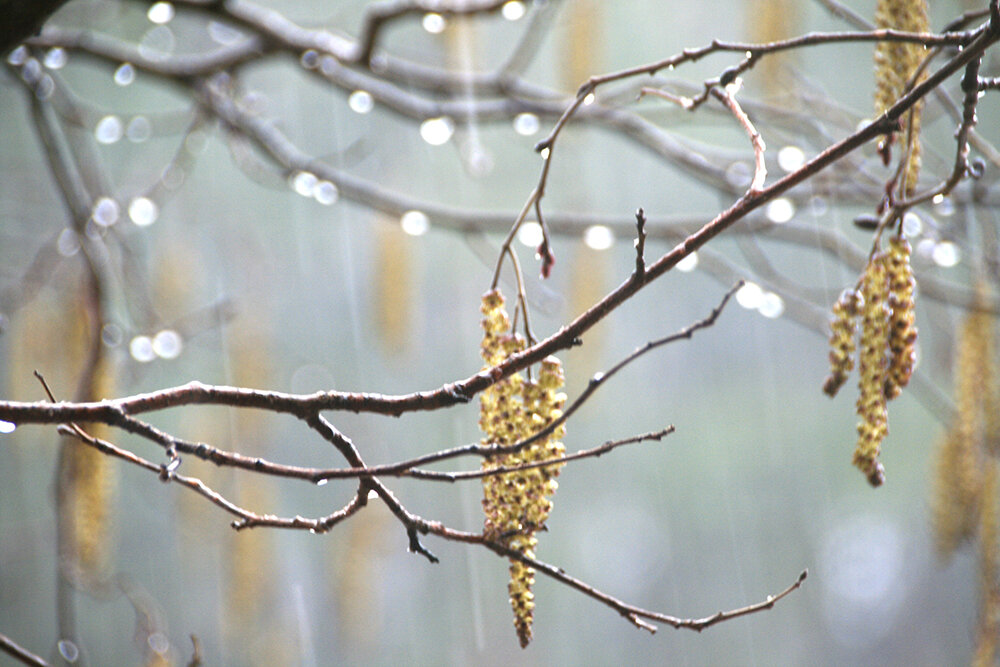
[530, 234]
[415, 223]
[437, 131]
[513, 10]
[599, 237]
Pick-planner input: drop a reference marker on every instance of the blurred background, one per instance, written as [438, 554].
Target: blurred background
[219, 265]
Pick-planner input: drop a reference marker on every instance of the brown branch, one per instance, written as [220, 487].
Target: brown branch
[760, 169]
[594, 452]
[380, 14]
[463, 390]
[636, 614]
[18, 652]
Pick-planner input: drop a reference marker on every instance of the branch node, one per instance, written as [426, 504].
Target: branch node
[640, 244]
[418, 548]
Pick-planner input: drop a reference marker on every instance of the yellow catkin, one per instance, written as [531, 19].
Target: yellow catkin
[770, 21]
[871, 405]
[902, 327]
[895, 65]
[989, 572]
[87, 481]
[517, 504]
[393, 288]
[843, 332]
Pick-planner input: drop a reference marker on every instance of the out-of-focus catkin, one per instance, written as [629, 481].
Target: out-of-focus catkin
[895, 64]
[989, 572]
[958, 482]
[517, 504]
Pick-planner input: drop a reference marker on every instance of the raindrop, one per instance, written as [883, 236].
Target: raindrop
[925, 248]
[18, 56]
[867, 576]
[68, 243]
[157, 641]
[771, 305]
[817, 206]
[530, 234]
[311, 377]
[7, 427]
[143, 211]
[944, 206]
[526, 124]
[125, 74]
[912, 224]
[46, 86]
[780, 210]
[223, 34]
[167, 344]
[55, 58]
[31, 71]
[598, 237]
[326, 193]
[361, 101]
[112, 335]
[141, 349]
[160, 13]
[303, 182]
[437, 131]
[513, 10]
[589, 99]
[195, 142]
[105, 212]
[139, 129]
[323, 482]
[791, 158]
[108, 130]
[479, 161]
[172, 176]
[328, 65]
[68, 650]
[158, 43]
[415, 223]
[545, 152]
[433, 23]
[738, 175]
[946, 254]
[750, 296]
[309, 59]
[689, 263]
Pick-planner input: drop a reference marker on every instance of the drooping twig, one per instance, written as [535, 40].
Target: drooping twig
[728, 97]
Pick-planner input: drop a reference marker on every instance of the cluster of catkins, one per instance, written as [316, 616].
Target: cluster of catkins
[881, 312]
[517, 503]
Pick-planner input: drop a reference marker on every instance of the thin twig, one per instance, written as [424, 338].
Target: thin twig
[18, 652]
[760, 169]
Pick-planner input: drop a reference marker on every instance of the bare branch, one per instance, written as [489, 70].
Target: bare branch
[18, 652]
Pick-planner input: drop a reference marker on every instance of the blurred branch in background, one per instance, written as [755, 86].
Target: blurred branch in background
[208, 56]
